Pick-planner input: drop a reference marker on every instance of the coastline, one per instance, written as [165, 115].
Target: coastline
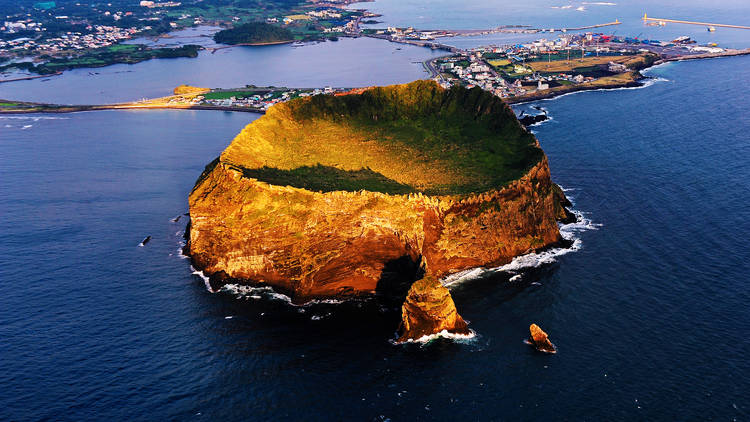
[64, 109]
[632, 79]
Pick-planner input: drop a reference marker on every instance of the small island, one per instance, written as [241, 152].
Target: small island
[101, 57]
[360, 194]
[254, 33]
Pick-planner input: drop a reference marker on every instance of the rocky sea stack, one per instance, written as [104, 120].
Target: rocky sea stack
[539, 339]
[349, 195]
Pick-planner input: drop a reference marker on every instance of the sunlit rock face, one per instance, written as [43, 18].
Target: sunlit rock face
[322, 195]
[540, 340]
[429, 309]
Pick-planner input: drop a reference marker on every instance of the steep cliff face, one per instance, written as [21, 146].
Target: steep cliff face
[314, 244]
[321, 195]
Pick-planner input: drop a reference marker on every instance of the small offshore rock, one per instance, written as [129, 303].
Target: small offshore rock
[540, 340]
[428, 310]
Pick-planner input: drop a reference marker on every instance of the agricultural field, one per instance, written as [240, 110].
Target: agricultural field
[561, 64]
[498, 62]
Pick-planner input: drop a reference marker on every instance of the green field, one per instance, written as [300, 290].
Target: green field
[223, 95]
[122, 53]
[471, 133]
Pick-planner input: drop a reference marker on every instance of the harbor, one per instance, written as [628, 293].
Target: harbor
[662, 21]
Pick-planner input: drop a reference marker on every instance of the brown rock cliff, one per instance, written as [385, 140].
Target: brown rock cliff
[429, 309]
[319, 197]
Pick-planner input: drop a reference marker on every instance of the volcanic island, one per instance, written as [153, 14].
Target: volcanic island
[381, 191]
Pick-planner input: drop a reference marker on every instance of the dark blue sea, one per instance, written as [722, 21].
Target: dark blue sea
[650, 315]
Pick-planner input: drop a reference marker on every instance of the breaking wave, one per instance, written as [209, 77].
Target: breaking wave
[33, 118]
[267, 292]
[569, 232]
[645, 83]
[203, 276]
[443, 334]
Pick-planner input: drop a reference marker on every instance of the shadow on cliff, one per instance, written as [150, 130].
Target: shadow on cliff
[395, 280]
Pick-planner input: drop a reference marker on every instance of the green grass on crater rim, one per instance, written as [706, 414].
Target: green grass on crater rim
[471, 132]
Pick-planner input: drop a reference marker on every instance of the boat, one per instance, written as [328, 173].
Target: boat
[711, 29]
[683, 40]
[298, 44]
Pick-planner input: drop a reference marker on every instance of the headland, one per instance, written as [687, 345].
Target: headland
[362, 194]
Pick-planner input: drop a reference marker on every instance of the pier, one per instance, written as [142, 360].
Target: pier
[581, 28]
[723, 25]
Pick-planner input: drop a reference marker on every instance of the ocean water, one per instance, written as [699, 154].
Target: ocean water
[482, 14]
[649, 312]
[650, 315]
[344, 63]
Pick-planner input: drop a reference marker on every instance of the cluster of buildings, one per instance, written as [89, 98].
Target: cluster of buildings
[477, 73]
[151, 4]
[13, 27]
[101, 36]
[471, 68]
[400, 34]
[331, 19]
[325, 14]
[256, 101]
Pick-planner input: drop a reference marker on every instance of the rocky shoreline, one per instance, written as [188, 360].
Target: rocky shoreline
[259, 226]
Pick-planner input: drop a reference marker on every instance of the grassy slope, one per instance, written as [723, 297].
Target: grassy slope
[396, 139]
[254, 33]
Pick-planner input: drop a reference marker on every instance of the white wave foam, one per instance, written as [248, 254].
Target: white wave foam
[443, 334]
[460, 276]
[654, 67]
[33, 118]
[548, 119]
[255, 292]
[515, 277]
[205, 279]
[569, 232]
[269, 293]
[644, 84]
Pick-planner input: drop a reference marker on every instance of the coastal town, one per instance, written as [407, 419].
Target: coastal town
[61, 29]
[99, 36]
[539, 69]
[52, 37]
[516, 70]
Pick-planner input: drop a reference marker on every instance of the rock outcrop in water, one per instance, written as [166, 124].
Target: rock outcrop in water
[540, 340]
[324, 196]
[429, 309]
